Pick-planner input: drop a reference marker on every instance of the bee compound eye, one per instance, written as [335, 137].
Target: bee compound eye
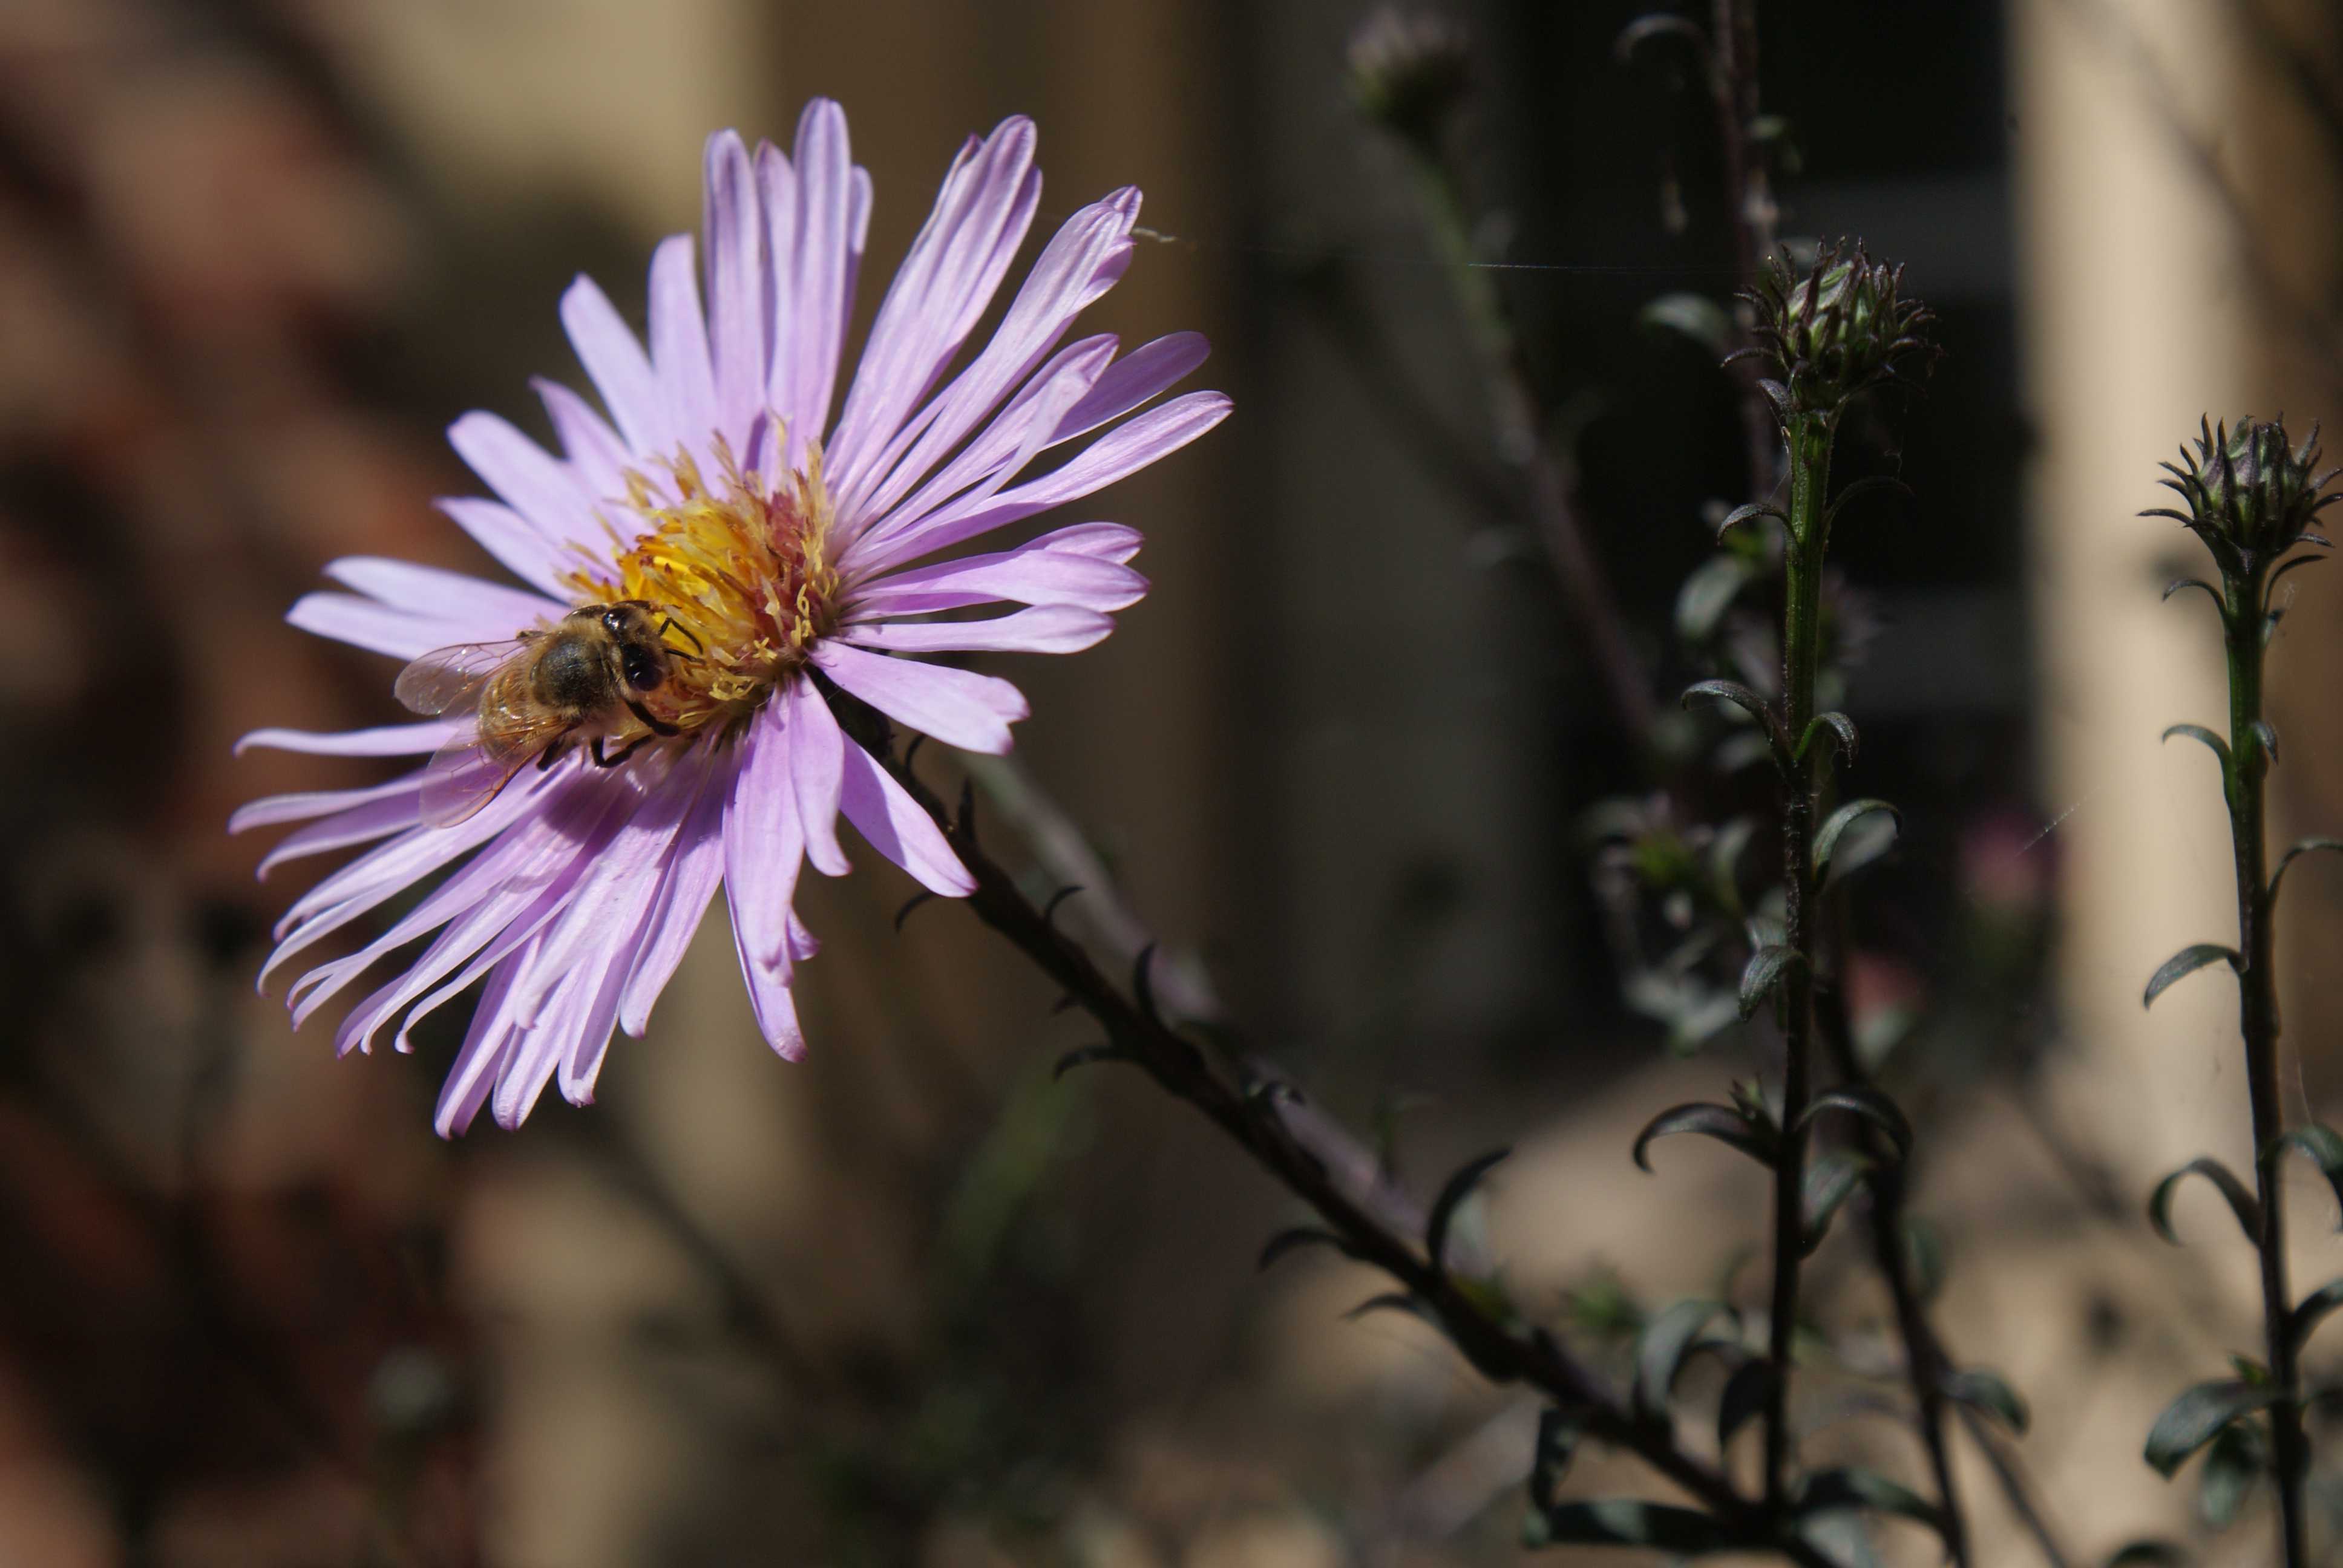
[613, 620]
[641, 671]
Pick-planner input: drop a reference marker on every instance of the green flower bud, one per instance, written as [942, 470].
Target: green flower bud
[2252, 495]
[1834, 330]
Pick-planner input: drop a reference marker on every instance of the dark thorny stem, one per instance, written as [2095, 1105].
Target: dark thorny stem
[2243, 773]
[1810, 448]
[1254, 1115]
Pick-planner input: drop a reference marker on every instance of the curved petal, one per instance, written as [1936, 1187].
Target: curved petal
[1043, 572]
[679, 348]
[392, 740]
[739, 285]
[540, 486]
[883, 812]
[1045, 628]
[958, 707]
[818, 295]
[763, 845]
[517, 544]
[816, 747]
[594, 450]
[685, 888]
[490, 610]
[620, 370]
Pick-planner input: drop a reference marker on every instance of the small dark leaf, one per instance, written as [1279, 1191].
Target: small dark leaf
[1557, 1443]
[2319, 1144]
[1763, 973]
[1050, 909]
[1740, 515]
[2266, 734]
[1923, 1254]
[1721, 1122]
[1695, 316]
[2199, 732]
[913, 902]
[2185, 962]
[1864, 487]
[1393, 1302]
[2302, 847]
[1630, 1521]
[2242, 1202]
[2148, 1554]
[2234, 1466]
[1660, 1351]
[1746, 1392]
[1826, 839]
[1985, 1391]
[1083, 1056]
[1290, 1242]
[1142, 983]
[1643, 29]
[2311, 1311]
[1741, 696]
[1826, 1489]
[2181, 583]
[1830, 1181]
[1452, 1196]
[1871, 1106]
[1837, 724]
[2198, 1416]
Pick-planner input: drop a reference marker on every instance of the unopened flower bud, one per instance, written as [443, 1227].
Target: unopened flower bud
[1838, 327]
[2252, 495]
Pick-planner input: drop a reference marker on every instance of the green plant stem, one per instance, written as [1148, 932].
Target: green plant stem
[1810, 452]
[2258, 1021]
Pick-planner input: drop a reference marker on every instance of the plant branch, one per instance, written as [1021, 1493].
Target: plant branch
[1252, 1114]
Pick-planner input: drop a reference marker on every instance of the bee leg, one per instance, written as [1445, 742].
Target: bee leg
[620, 755]
[656, 724]
[551, 754]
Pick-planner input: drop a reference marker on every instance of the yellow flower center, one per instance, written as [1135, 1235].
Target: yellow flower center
[741, 574]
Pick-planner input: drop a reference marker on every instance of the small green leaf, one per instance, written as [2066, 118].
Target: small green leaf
[1660, 1351]
[2266, 734]
[2180, 583]
[1985, 1391]
[1828, 1490]
[2312, 1310]
[2302, 847]
[1721, 1122]
[2199, 732]
[1452, 1196]
[1830, 1181]
[1826, 839]
[2198, 1417]
[1763, 973]
[1631, 1522]
[1869, 1104]
[2234, 1466]
[1923, 1254]
[2242, 1202]
[1837, 724]
[2319, 1144]
[1746, 1394]
[1286, 1242]
[2186, 961]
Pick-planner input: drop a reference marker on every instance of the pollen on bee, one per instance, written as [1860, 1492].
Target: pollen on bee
[740, 570]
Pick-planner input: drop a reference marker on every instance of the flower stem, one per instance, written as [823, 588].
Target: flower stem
[1500, 1347]
[1810, 437]
[2247, 767]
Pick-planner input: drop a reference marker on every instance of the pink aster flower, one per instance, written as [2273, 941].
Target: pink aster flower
[748, 527]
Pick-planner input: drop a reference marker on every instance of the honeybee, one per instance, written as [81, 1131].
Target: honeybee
[538, 694]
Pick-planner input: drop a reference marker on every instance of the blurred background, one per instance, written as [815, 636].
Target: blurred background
[913, 1300]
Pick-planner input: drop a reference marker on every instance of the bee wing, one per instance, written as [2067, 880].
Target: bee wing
[452, 677]
[471, 769]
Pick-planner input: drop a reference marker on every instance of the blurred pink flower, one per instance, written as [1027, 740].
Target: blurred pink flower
[777, 541]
